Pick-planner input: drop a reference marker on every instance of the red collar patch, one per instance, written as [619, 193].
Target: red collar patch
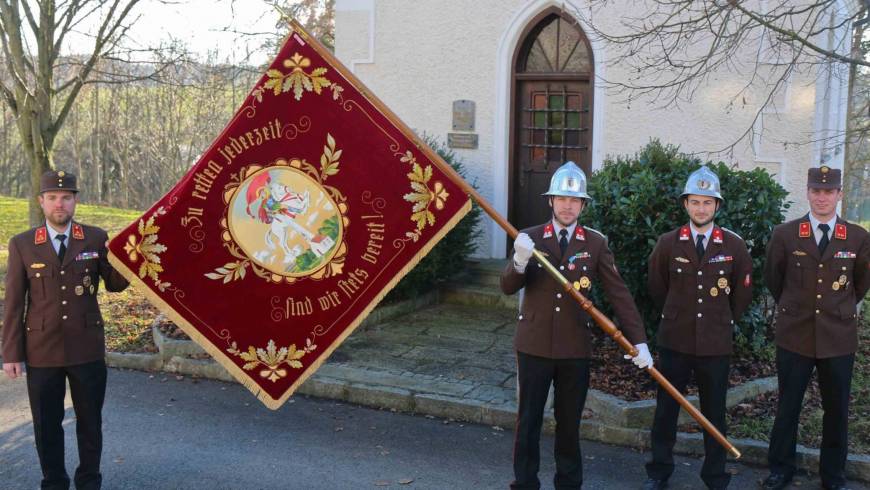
[580, 233]
[718, 236]
[77, 232]
[685, 233]
[804, 231]
[840, 231]
[548, 230]
[41, 236]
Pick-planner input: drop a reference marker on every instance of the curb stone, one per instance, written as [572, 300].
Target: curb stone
[639, 414]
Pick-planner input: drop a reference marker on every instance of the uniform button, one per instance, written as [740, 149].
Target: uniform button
[820, 281]
[37, 274]
[561, 267]
[63, 302]
[844, 268]
[558, 295]
[817, 312]
[818, 296]
[62, 272]
[721, 272]
[700, 315]
[86, 269]
[64, 287]
[821, 265]
[679, 270]
[521, 317]
[63, 317]
[663, 315]
[557, 309]
[28, 329]
[584, 268]
[700, 286]
[700, 273]
[700, 300]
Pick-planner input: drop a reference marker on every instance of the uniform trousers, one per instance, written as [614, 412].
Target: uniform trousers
[835, 378]
[711, 374]
[570, 379]
[46, 388]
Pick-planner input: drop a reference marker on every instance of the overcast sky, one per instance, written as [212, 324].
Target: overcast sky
[202, 25]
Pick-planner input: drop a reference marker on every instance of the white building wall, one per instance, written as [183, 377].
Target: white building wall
[420, 56]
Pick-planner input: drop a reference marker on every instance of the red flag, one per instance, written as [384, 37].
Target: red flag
[307, 209]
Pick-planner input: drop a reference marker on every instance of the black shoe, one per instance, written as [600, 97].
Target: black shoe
[776, 481]
[654, 484]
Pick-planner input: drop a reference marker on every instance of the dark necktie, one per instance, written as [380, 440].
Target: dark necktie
[563, 241]
[62, 250]
[699, 246]
[823, 243]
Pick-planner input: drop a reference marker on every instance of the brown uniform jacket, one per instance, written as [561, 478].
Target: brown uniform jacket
[814, 318]
[551, 324]
[52, 318]
[700, 300]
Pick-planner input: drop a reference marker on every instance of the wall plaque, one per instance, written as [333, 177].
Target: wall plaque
[462, 140]
[463, 115]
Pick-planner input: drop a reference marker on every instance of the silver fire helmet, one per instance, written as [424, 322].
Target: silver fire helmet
[703, 182]
[569, 181]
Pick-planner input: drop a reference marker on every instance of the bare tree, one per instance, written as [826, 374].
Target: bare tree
[669, 49]
[41, 86]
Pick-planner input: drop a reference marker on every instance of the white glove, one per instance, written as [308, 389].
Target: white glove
[523, 246]
[643, 359]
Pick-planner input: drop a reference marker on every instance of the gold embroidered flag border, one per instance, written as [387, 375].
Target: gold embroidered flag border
[309, 207]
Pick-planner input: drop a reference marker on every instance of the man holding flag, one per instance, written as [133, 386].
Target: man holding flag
[552, 338]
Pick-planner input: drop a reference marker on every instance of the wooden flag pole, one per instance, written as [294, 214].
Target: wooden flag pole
[605, 323]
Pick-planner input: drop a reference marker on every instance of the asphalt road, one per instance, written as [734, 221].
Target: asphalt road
[166, 433]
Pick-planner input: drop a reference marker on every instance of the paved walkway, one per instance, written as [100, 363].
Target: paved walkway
[451, 350]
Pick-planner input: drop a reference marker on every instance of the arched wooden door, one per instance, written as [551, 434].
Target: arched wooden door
[552, 111]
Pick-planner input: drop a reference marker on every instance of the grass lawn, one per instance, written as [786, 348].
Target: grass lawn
[128, 315]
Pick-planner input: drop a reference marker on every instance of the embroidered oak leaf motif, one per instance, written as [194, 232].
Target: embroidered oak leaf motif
[148, 249]
[424, 196]
[271, 361]
[298, 80]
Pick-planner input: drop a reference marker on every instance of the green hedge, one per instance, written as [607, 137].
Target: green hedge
[448, 256]
[636, 199]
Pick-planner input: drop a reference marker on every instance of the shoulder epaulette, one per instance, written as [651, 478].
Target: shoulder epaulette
[596, 231]
[732, 232]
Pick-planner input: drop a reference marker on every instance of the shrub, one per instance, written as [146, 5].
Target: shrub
[636, 199]
[448, 256]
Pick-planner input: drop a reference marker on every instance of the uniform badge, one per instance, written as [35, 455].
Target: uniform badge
[577, 285]
[747, 281]
[80, 290]
[580, 233]
[548, 230]
[685, 233]
[845, 254]
[91, 289]
[88, 255]
[41, 236]
[799, 253]
[585, 283]
[721, 258]
[37, 265]
[717, 235]
[571, 266]
[86, 281]
[842, 279]
[835, 286]
[728, 290]
[78, 232]
[682, 260]
[804, 230]
[840, 231]
[722, 283]
[714, 292]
